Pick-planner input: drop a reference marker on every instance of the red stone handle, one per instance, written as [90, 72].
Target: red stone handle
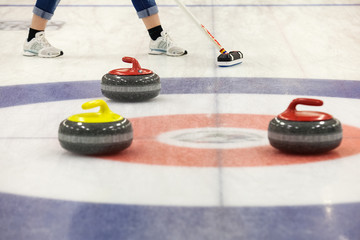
[133, 71]
[292, 114]
[304, 101]
[135, 64]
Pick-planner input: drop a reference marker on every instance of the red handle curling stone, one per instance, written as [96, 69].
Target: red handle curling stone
[304, 132]
[130, 84]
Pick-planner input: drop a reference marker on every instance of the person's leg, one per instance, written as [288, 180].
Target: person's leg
[160, 42]
[36, 44]
[148, 12]
[42, 12]
[38, 23]
[151, 21]
[152, 24]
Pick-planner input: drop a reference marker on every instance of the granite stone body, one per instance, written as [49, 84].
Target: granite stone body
[95, 138]
[130, 88]
[305, 137]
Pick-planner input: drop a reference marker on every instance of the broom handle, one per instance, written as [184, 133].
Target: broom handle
[186, 10]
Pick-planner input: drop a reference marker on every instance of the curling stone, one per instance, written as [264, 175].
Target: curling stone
[130, 84]
[95, 133]
[304, 132]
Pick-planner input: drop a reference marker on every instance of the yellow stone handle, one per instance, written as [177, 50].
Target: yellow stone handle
[104, 108]
[103, 115]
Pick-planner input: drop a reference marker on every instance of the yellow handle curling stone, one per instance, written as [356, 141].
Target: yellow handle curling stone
[95, 133]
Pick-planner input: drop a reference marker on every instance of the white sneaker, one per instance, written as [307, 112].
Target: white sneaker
[165, 45]
[39, 46]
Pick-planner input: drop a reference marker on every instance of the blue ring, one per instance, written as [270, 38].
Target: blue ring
[27, 216]
[59, 91]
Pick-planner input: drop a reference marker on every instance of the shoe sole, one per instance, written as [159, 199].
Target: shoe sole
[31, 54]
[159, 52]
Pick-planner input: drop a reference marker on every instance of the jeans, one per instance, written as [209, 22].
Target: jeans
[46, 8]
[145, 8]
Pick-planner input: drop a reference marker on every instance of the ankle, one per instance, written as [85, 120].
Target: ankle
[32, 33]
[155, 32]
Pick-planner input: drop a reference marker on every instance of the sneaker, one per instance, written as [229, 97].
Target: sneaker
[39, 46]
[165, 45]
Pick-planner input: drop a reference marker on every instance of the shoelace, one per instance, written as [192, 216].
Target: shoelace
[43, 41]
[168, 40]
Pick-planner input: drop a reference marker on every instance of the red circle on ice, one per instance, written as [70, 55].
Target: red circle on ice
[146, 149]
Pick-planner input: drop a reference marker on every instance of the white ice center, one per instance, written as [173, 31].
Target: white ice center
[216, 138]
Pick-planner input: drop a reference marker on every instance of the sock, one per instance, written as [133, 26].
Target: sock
[155, 32]
[32, 33]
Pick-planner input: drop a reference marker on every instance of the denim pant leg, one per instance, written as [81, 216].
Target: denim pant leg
[145, 8]
[45, 8]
